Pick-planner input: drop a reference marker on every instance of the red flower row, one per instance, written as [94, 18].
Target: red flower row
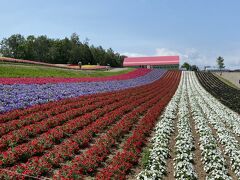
[39, 116]
[17, 136]
[123, 161]
[67, 148]
[20, 113]
[88, 162]
[65, 141]
[36, 109]
[47, 139]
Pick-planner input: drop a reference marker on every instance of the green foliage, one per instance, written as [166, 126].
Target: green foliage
[28, 70]
[145, 157]
[58, 51]
[13, 46]
[194, 68]
[190, 67]
[186, 65]
[220, 62]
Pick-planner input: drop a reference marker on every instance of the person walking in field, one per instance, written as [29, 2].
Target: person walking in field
[80, 64]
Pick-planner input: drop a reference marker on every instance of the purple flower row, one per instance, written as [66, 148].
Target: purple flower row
[21, 95]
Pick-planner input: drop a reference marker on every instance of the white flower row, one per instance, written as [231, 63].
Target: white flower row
[156, 167]
[217, 117]
[231, 118]
[183, 161]
[206, 111]
[213, 160]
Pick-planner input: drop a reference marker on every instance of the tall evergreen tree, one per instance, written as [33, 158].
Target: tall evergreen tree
[220, 63]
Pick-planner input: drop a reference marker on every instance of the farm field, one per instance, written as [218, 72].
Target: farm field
[13, 70]
[120, 90]
[227, 95]
[196, 137]
[94, 135]
[18, 95]
[99, 128]
[232, 77]
[124, 75]
[27, 63]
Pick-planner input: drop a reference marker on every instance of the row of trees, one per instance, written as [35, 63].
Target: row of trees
[189, 67]
[220, 65]
[58, 51]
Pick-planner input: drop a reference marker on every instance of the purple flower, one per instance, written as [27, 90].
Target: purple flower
[25, 95]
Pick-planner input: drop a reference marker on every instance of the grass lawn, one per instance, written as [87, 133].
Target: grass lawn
[30, 70]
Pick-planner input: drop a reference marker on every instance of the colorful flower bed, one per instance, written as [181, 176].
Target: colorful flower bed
[40, 140]
[227, 95]
[216, 137]
[101, 135]
[21, 95]
[131, 75]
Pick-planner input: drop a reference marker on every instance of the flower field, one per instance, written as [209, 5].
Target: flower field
[85, 136]
[224, 93]
[196, 137]
[15, 96]
[100, 128]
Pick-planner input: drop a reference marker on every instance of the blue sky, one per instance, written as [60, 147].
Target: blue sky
[197, 30]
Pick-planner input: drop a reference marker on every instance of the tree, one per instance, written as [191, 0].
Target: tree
[186, 65]
[194, 68]
[13, 46]
[42, 46]
[75, 39]
[220, 63]
[29, 48]
[67, 50]
[98, 55]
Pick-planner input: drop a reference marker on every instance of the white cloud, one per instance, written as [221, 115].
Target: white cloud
[232, 61]
[193, 56]
[189, 55]
[129, 54]
[166, 52]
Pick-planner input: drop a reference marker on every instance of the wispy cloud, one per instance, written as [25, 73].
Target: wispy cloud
[190, 55]
[166, 52]
[129, 54]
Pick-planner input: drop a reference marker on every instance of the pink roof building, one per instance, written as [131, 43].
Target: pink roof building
[156, 61]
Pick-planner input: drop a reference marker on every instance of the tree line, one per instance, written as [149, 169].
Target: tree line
[58, 51]
[220, 65]
[190, 67]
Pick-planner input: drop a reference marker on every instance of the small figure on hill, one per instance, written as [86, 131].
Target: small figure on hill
[80, 64]
[108, 67]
